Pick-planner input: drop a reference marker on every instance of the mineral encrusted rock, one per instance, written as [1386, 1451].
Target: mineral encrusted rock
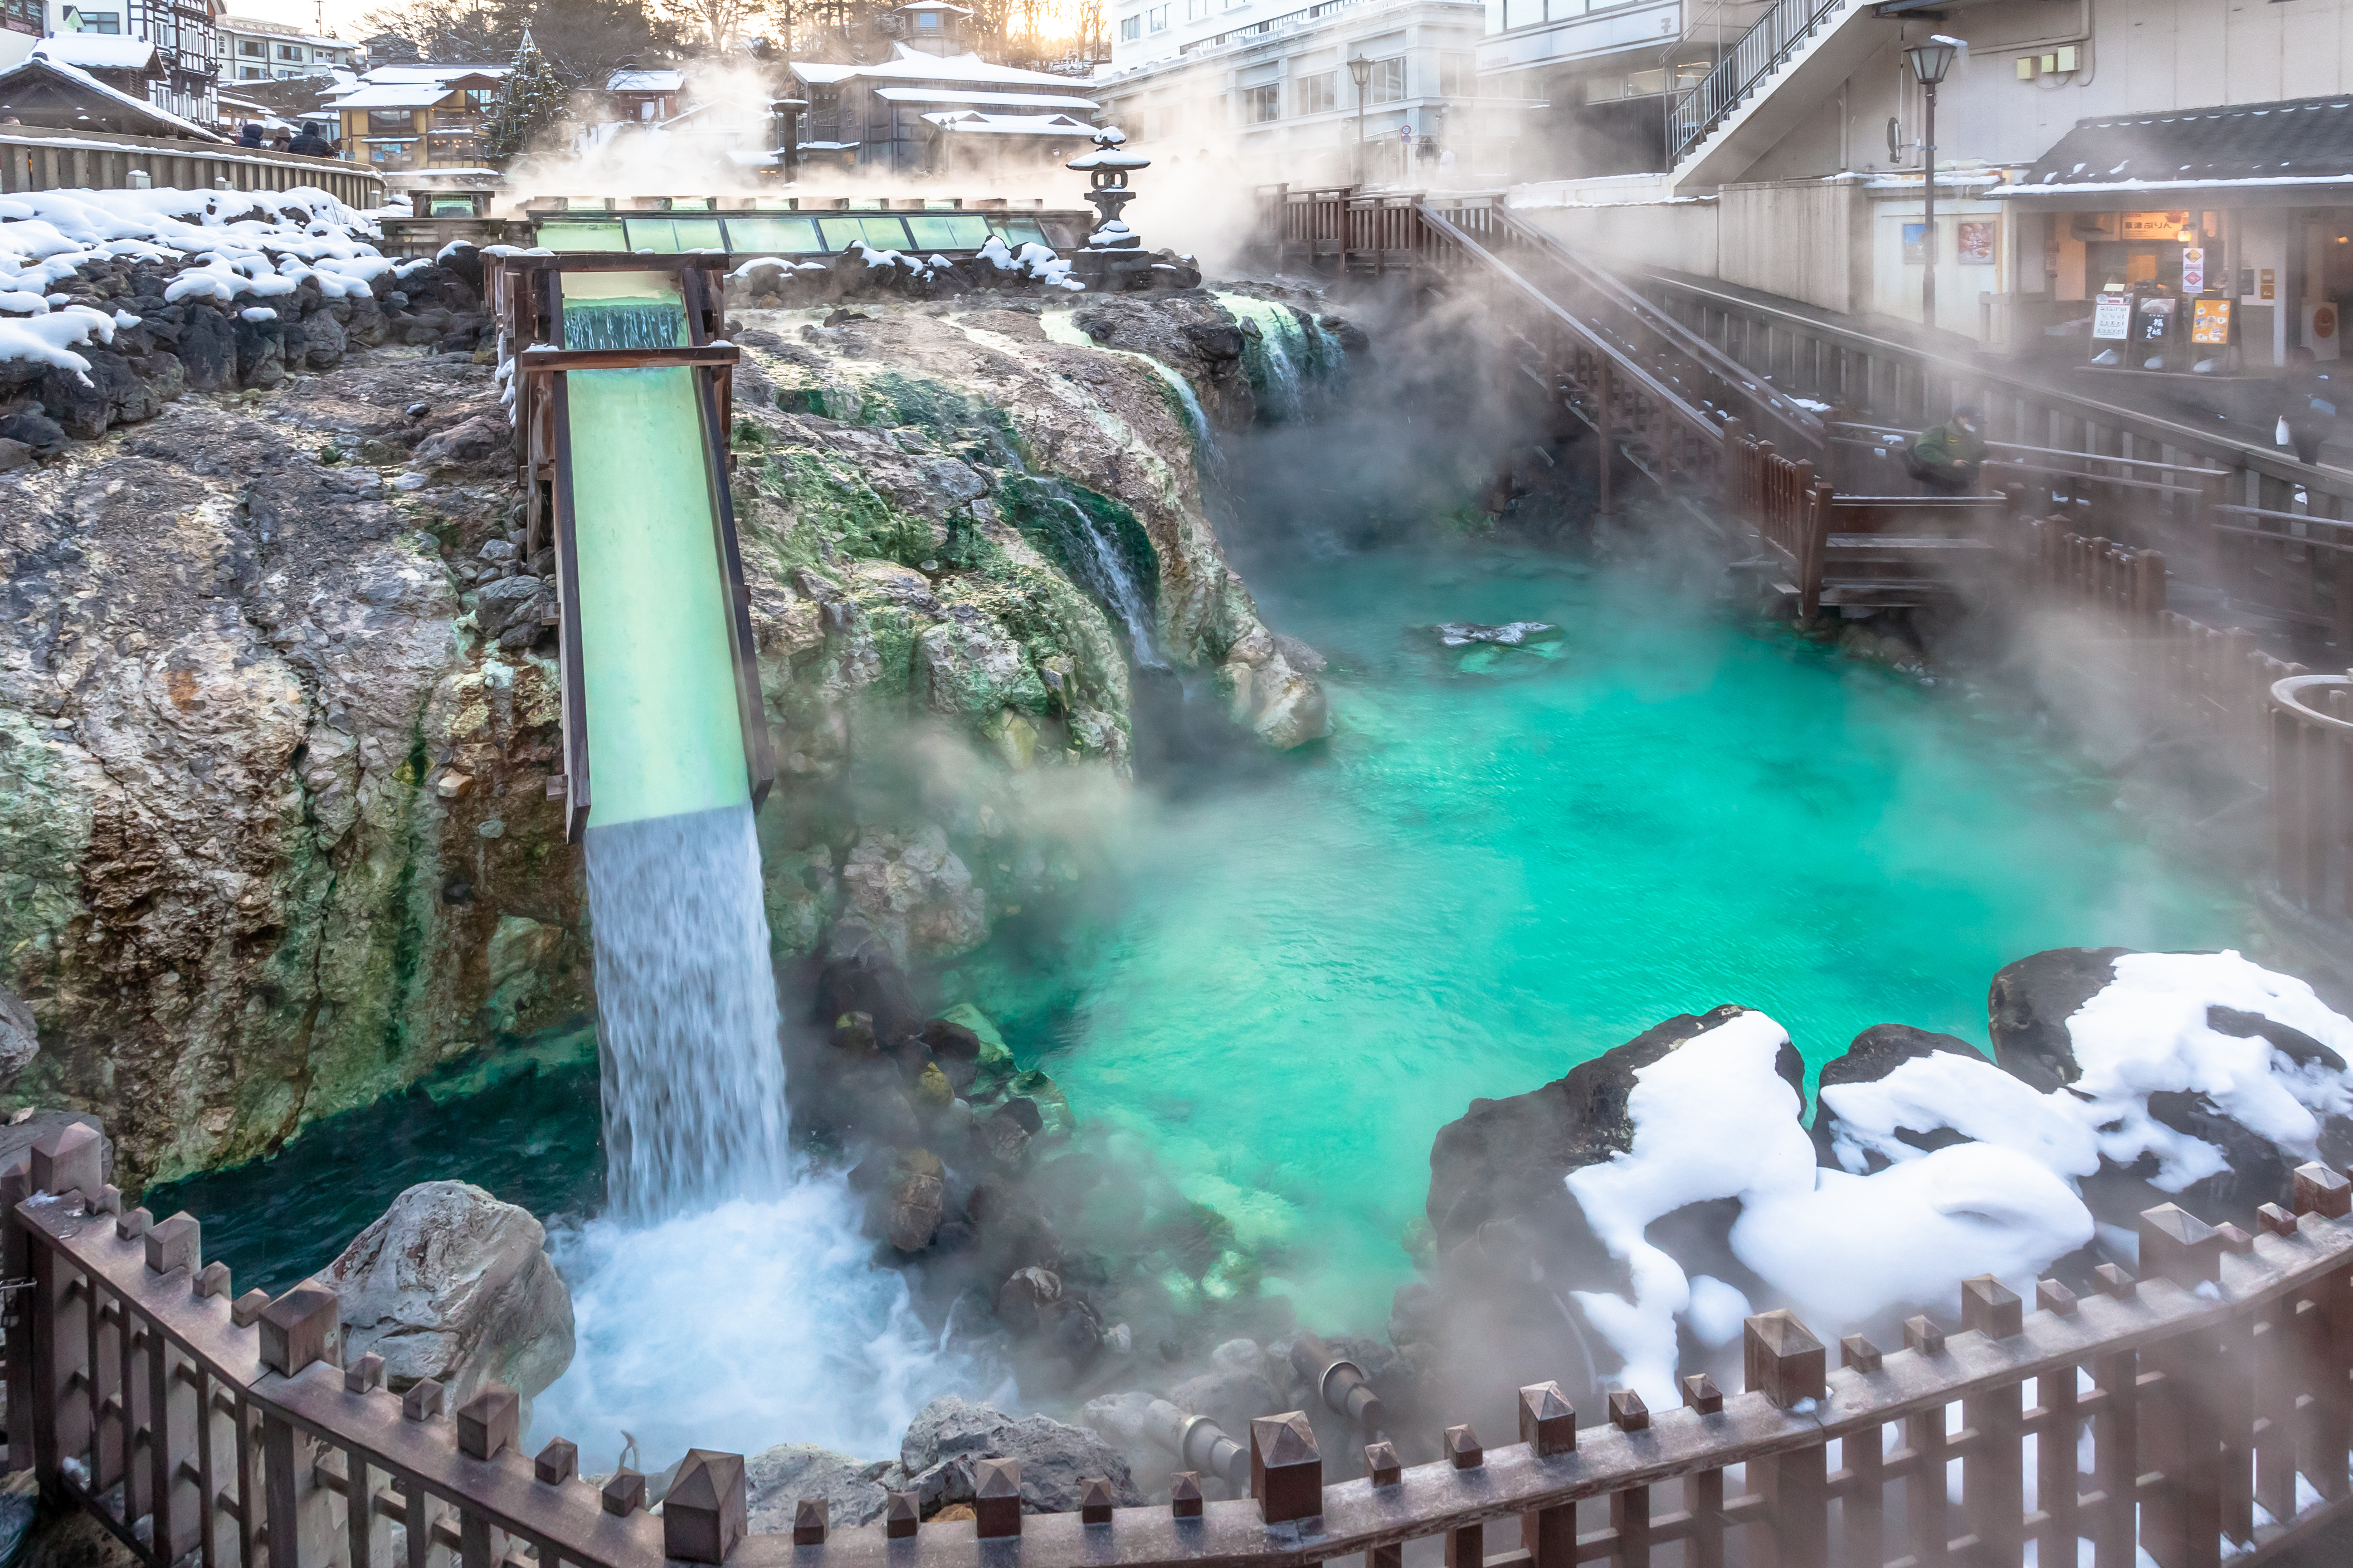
[948, 1434]
[278, 707]
[776, 1478]
[453, 1285]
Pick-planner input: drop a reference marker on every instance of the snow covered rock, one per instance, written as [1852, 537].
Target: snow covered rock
[454, 1284]
[1874, 1053]
[948, 1434]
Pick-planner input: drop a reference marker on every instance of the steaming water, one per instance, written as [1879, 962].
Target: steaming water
[1092, 551]
[1508, 861]
[694, 1081]
[1287, 358]
[1060, 327]
[624, 322]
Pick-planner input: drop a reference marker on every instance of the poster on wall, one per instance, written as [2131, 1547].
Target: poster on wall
[2211, 324]
[1976, 243]
[2193, 270]
[2112, 316]
[1915, 249]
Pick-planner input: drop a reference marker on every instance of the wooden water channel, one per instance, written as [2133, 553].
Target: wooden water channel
[213, 1430]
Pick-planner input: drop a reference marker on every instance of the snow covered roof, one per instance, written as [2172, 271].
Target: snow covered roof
[2250, 144]
[972, 121]
[262, 26]
[909, 64]
[933, 5]
[645, 82]
[395, 95]
[996, 100]
[387, 76]
[31, 71]
[97, 51]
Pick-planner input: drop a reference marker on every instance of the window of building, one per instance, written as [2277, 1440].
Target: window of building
[1320, 93]
[1458, 74]
[1196, 10]
[1388, 83]
[79, 21]
[1130, 29]
[1261, 104]
[251, 49]
[1158, 17]
[248, 73]
[394, 152]
[384, 120]
[927, 21]
[21, 17]
[291, 52]
[455, 120]
[480, 99]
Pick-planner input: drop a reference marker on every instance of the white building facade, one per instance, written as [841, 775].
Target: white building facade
[1265, 85]
[253, 49]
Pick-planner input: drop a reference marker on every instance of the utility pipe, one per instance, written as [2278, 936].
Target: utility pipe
[1339, 1382]
[1199, 1443]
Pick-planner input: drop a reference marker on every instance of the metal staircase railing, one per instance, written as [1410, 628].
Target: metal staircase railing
[1776, 36]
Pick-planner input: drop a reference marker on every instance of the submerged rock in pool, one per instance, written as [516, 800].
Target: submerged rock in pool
[1511, 634]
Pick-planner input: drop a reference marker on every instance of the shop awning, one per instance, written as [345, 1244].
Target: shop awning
[2297, 149]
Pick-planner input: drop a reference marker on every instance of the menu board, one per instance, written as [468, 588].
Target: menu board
[2112, 316]
[2210, 323]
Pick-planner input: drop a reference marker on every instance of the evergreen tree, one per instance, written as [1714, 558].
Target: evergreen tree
[531, 100]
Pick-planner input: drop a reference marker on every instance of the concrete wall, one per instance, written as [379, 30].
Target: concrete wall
[1811, 241]
[1681, 235]
[2137, 56]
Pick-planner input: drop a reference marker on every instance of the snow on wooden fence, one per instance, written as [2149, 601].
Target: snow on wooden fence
[2211, 1395]
[35, 160]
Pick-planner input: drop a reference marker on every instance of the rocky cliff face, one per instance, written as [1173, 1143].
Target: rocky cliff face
[277, 704]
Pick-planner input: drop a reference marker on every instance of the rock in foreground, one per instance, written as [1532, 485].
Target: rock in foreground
[948, 1434]
[453, 1285]
[778, 1477]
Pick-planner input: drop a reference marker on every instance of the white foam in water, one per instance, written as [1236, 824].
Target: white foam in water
[686, 1015]
[725, 1298]
[740, 1328]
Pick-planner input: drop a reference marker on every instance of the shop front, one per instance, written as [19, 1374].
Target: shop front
[2181, 243]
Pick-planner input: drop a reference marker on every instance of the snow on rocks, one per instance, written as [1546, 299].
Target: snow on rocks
[1624, 1210]
[112, 302]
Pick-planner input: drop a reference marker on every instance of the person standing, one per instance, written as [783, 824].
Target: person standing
[2307, 402]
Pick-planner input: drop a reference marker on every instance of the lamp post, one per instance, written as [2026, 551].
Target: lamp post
[1360, 71]
[1930, 61]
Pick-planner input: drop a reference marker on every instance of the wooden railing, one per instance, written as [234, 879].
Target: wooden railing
[2312, 773]
[32, 159]
[223, 1432]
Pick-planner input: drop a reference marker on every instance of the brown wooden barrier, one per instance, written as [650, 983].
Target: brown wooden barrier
[2312, 791]
[223, 1432]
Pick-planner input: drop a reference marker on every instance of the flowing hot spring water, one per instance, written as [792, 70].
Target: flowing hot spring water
[1506, 862]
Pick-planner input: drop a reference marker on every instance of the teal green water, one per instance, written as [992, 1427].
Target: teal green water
[1508, 861]
[1504, 862]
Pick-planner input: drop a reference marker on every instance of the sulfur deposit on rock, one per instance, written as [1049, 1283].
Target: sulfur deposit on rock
[453, 1285]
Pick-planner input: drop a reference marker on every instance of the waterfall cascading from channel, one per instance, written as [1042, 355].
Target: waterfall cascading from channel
[694, 1078]
[1062, 328]
[1291, 360]
[626, 322]
[1091, 548]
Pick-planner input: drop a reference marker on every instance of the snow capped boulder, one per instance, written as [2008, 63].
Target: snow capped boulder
[1874, 1053]
[948, 1434]
[453, 1285]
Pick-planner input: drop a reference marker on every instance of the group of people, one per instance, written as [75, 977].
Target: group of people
[307, 141]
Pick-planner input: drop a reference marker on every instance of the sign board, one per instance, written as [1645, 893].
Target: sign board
[2270, 283]
[2211, 324]
[2112, 316]
[2156, 318]
[2193, 270]
[1405, 133]
[2153, 226]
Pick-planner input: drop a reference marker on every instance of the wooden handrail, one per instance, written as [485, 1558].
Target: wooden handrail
[134, 1350]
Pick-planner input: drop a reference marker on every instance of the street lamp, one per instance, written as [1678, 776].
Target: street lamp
[1930, 61]
[1360, 71]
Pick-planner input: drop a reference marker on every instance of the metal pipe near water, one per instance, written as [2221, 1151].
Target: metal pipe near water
[1199, 1443]
[1339, 1382]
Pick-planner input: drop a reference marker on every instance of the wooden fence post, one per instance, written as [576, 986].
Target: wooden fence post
[1783, 1361]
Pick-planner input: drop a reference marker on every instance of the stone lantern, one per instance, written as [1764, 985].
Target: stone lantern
[1115, 257]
